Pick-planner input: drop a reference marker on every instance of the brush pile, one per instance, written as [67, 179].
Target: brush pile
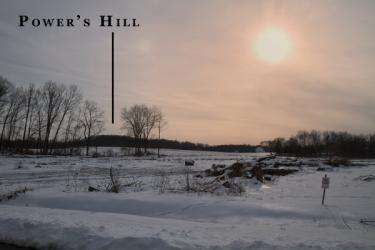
[262, 169]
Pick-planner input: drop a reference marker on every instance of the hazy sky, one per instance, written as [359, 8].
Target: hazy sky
[196, 60]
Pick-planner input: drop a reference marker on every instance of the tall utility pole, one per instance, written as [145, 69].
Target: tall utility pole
[159, 128]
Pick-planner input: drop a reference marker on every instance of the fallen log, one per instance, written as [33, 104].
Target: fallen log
[266, 158]
[215, 170]
[238, 169]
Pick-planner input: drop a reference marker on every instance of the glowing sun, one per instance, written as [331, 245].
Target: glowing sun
[273, 46]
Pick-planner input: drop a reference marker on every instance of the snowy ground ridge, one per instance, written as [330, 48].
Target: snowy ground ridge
[46, 228]
[81, 238]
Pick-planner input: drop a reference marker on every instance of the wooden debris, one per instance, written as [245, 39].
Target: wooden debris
[92, 189]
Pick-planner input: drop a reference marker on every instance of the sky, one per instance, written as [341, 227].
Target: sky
[196, 60]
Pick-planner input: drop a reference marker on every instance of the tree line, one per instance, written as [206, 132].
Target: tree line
[324, 143]
[46, 116]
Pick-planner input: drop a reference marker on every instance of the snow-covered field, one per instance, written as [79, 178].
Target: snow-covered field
[59, 212]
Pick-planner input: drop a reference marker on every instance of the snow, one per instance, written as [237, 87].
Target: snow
[282, 214]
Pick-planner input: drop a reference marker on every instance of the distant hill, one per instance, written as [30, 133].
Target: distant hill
[126, 141]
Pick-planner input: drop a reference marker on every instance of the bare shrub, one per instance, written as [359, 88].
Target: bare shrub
[114, 184]
[71, 181]
[201, 185]
[20, 165]
[162, 182]
[110, 153]
[75, 151]
[235, 188]
[96, 155]
[135, 183]
[126, 150]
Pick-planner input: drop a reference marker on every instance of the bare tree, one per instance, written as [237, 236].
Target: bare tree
[73, 128]
[150, 114]
[16, 114]
[11, 114]
[92, 121]
[71, 98]
[139, 121]
[40, 119]
[5, 88]
[52, 98]
[29, 97]
[134, 122]
[31, 130]
[6, 103]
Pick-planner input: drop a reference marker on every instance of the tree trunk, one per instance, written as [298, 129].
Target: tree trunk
[3, 130]
[58, 128]
[88, 144]
[25, 127]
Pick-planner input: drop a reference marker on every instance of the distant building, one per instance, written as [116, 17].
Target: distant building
[259, 150]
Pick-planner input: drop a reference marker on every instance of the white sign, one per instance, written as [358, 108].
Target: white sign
[325, 182]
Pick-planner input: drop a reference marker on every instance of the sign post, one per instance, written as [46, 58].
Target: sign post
[325, 185]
